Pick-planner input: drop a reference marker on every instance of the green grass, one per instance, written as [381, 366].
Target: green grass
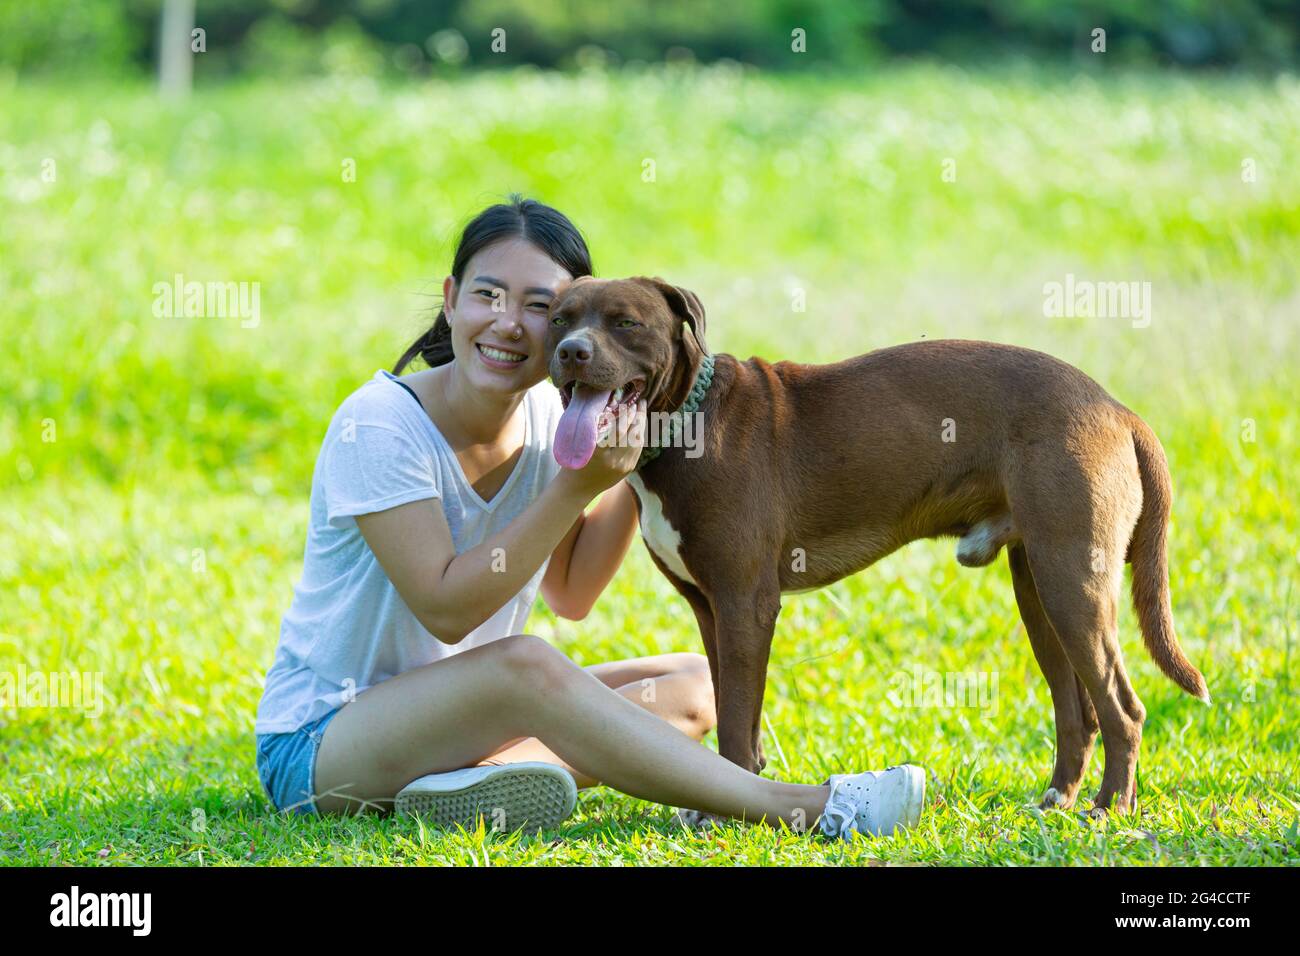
[179, 439]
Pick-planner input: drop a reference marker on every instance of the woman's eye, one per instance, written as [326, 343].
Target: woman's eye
[490, 293]
[539, 305]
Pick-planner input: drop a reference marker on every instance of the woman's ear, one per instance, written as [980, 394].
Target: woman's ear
[448, 296]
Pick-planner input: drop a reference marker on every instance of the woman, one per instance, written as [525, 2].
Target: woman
[403, 673]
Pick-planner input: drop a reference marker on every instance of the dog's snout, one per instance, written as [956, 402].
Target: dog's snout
[575, 350]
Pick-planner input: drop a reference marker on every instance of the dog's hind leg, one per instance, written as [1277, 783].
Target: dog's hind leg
[1086, 624]
[1076, 721]
[1075, 540]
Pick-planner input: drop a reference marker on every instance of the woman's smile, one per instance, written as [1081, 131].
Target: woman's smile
[497, 357]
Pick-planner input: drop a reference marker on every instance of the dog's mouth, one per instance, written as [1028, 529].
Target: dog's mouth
[623, 395]
[589, 410]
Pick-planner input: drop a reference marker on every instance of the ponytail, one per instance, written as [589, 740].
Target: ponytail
[434, 346]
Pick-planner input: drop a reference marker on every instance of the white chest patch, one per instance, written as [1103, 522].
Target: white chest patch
[663, 540]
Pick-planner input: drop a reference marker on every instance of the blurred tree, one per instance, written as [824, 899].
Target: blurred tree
[69, 36]
[175, 56]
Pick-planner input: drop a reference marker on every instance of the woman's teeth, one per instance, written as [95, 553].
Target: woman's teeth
[499, 355]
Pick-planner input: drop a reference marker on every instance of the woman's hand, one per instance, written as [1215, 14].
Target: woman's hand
[615, 457]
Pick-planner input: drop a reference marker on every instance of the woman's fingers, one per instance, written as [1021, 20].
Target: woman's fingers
[633, 436]
[638, 428]
[624, 422]
[621, 443]
[631, 425]
[629, 443]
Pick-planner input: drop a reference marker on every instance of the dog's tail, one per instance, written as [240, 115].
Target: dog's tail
[1151, 566]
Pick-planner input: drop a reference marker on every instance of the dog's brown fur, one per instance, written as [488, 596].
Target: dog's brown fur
[843, 463]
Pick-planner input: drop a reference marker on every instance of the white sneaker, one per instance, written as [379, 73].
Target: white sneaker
[875, 802]
[532, 795]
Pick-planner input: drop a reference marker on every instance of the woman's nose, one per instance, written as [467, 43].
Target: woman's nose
[510, 323]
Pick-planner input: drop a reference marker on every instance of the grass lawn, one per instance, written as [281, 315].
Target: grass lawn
[154, 472]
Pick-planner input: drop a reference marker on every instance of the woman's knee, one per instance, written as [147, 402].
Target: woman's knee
[681, 662]
[530, 663]
[694, 662]
[699, 707]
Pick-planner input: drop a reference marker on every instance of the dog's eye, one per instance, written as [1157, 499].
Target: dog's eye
[559, 320]
[625, 323]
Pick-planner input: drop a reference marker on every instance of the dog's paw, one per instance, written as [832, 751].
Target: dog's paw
[698, 819]
[1053, 799]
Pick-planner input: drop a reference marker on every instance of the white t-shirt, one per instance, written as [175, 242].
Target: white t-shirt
[347, 627]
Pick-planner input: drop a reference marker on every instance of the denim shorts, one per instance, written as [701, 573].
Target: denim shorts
[286, 765]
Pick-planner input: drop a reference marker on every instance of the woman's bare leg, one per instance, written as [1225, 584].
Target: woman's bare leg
[677, 688]
[453, 713]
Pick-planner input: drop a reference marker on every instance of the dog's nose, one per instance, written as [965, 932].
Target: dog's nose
[575, 350]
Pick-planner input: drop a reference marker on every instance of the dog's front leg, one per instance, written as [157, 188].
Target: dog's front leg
[704, 616]
[708, 633]
[744, 625]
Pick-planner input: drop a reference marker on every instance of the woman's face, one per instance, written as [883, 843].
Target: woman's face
[501, 304]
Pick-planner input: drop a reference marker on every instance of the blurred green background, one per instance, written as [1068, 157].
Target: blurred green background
[923, 171]
[415, 37]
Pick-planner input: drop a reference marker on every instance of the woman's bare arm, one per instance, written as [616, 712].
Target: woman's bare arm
[451, 594]
[589, 556]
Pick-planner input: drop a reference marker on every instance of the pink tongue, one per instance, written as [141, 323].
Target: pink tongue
[575, 435]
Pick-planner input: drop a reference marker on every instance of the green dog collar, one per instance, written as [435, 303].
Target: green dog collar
[703, 378]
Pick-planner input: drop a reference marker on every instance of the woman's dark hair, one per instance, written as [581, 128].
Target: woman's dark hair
[546, 228]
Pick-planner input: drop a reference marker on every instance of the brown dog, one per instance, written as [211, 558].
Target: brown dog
[809, 473]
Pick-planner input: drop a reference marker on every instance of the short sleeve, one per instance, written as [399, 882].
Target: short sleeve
[367, 467]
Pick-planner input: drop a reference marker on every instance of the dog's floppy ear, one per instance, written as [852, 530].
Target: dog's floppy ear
[684, 303]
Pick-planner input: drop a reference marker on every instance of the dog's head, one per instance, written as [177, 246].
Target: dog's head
[614, 342]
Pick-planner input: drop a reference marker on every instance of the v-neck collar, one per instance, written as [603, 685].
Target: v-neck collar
[455, 461]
